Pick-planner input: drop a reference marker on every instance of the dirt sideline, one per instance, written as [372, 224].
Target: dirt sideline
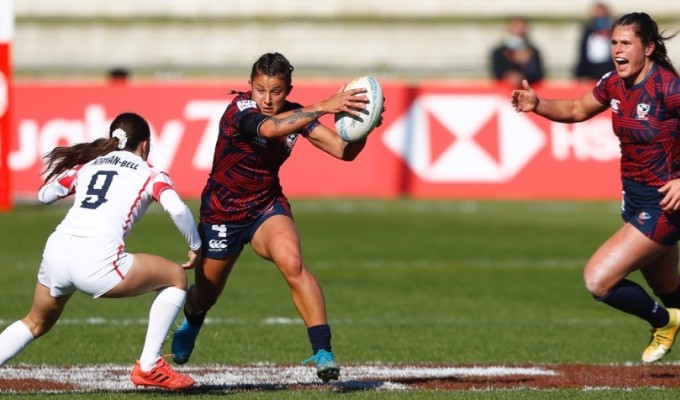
[270, 377]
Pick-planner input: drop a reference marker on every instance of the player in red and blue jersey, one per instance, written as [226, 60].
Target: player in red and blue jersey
[245, 176]
[644, 97]
[243, 201]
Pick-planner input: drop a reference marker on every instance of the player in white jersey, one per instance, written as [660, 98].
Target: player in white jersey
[113, 186]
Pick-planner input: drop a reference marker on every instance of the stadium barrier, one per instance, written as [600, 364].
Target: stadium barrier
[438, 140]
[6, 34]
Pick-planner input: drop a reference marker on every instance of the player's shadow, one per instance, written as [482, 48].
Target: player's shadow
[361, 385]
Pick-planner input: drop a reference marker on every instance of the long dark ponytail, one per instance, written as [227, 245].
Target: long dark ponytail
[125, 133]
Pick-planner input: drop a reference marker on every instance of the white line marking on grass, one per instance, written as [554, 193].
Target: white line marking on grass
[337, 321]
[516, 264]
[262, 376]
[144, 321]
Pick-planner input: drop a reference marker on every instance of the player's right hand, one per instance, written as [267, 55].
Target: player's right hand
[194, 259]
[524, 100]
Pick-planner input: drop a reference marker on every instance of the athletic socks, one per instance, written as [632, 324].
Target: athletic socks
[670, 300]
[195, 320]
[162, 314]
[320, 337]
[13, 339]
[631, 298]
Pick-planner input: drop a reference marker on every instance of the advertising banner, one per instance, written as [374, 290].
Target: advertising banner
[6, 34]
[437, 141]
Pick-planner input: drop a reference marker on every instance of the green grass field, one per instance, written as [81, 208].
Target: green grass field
[406, 281]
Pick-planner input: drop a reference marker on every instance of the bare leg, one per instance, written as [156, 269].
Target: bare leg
[44, 313]
[278, 240]
[662, 274]
[154, 273]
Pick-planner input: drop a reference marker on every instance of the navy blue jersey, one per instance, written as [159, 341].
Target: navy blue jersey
[645, 119]
[244, 180]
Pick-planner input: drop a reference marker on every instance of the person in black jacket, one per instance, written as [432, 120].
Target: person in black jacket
[594, 53]
[516, 58]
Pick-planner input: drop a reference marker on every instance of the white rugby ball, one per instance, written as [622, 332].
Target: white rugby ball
[352, 128]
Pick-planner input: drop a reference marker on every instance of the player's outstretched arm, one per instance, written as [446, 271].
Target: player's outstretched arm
[349, 101]
[558, 110]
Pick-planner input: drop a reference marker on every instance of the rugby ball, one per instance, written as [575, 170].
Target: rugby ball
[352, 128]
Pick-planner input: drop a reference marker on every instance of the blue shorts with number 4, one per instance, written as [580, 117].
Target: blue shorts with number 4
[640, 208]
[223, 240]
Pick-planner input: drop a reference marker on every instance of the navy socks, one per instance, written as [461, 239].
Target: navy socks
[631, 298]
[195, 320]
[670, 300]
[320, 337]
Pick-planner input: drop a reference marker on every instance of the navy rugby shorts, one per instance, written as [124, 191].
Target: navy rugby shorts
[640, 208]
[223, 240]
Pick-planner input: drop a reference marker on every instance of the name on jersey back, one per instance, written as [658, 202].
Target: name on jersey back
[115, 160]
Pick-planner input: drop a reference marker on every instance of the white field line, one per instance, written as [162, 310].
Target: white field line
[297, 321]
[110, 377]
[474, 264]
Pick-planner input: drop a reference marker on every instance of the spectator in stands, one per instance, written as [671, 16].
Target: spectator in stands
[516, 58]
[118, 75]
[594, 48]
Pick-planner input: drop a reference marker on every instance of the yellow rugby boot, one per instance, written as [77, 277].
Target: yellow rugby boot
[662, 338]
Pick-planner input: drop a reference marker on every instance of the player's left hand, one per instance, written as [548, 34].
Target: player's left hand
[671, 200]
[194, 259]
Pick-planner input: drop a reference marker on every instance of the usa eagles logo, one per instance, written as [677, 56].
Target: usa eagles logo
[290, 141]
[642, 110]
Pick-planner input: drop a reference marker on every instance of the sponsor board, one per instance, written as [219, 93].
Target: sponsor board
[435, 141]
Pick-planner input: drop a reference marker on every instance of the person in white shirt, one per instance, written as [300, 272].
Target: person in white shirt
[113, 185]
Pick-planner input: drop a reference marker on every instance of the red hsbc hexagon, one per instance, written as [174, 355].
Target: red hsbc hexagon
[464, 138]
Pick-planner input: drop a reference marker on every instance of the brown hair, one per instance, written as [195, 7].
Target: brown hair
[273, 64]
[60, 159]
[648, 32]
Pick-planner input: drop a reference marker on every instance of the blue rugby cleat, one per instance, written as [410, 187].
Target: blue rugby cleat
[183, 341]
[326, 368]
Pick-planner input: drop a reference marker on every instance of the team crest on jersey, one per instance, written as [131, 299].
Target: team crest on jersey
[290, 140]
[615, 105]
[245, 104]
[642, 110]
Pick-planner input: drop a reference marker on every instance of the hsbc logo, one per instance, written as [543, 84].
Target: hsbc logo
[449, 138]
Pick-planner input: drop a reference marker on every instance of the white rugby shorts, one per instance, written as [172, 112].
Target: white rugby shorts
[92, 265]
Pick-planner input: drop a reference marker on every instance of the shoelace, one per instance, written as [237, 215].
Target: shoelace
[163, 371]
[323, 358]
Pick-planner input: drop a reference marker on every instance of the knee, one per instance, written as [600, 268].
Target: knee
[596, 285]
[178, 278]
[291, 267]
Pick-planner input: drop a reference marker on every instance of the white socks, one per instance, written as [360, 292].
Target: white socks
[164, 310]
[13, 339]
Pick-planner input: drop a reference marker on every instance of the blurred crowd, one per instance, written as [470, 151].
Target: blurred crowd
[516, 57]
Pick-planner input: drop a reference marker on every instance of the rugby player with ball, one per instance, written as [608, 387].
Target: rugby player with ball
[243, 201]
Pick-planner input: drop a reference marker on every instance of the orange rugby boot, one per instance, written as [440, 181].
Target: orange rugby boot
[161, 375]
